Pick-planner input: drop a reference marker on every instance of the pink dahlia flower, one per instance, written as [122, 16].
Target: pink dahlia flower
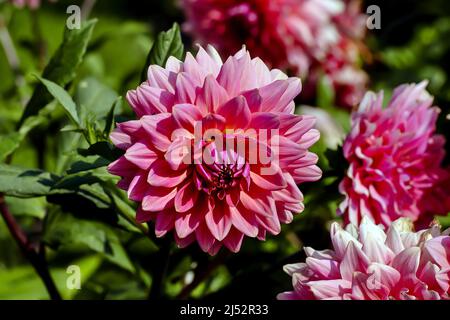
[371, 264]
[308, 37]
[217, 152]
[395, 160]
[32, 4]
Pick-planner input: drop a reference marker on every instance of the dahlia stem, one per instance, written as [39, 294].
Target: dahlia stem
[35, 257]
[159, 274]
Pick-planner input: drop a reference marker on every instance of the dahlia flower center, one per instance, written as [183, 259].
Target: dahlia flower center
[224, 174]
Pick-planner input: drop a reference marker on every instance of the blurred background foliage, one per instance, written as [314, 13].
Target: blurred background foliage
[84, 220]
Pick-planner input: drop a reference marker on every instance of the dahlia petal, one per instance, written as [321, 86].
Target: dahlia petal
[211, 95]
[120, 139]
[383, 274]
[233, 241]
[186, 223]
[162, 175]
[122, 168]
[210, 65]
[158, 77]
[184, 89]
[354, 260]
[328, 269]
[164, 222]
[178, 155]
[243, 221]
[329, 289]
[407, 261]
[236, 112]
[140, 155]
[153, 126]
[204, 237]
[185, 115]
[264, 120]
[273, 181]
[186, 197]
[138, 187]
[340, 239]
[277, 96]
[157, 199]
[218, 222]
[439, 250]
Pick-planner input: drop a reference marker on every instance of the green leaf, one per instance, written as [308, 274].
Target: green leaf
[32, 207]
[168, 43]
[64, 229]
[94, 97]
[9, 143]
[62, 67]
[24, 183]
[63, 98]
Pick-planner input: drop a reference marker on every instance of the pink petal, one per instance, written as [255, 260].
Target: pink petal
[211, 96]
[162, 175]
[186, 197]
[218, 222]
[236, 112]
[140, 155]
[157, 199]
[234, 240]
[244, 221]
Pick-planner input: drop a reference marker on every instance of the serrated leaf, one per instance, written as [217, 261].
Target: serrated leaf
[62, 66]
[168, 43]
[63, 98]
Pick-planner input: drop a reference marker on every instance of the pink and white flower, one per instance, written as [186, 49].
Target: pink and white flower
[367, 263]
[395, 157]
[189, 181]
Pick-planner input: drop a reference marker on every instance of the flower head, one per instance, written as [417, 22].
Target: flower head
[395, 160]
[32, 4]
[217, 152]
[368, 263]
[309, 37]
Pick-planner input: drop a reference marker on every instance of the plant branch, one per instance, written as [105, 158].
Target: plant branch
[35, 256]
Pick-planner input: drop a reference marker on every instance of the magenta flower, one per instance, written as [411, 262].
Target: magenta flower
[395, 160]
[217, 152]
[32, 4]
[369, 264]
[312, 38]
